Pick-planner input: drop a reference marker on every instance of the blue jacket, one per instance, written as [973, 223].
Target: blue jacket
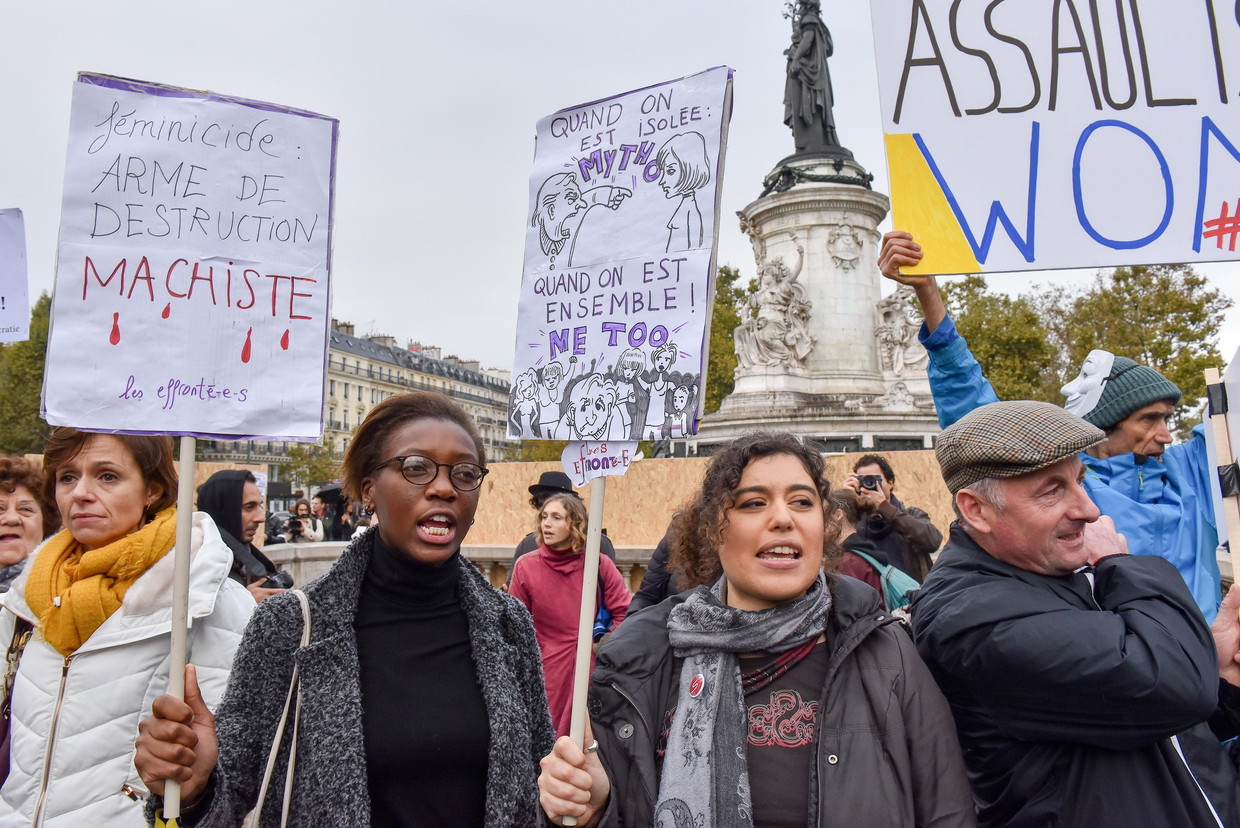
[1163, 508]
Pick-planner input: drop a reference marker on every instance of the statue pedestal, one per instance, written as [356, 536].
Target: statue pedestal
[821, 354]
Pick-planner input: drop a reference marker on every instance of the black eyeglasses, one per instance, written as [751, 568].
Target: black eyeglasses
[421, 470]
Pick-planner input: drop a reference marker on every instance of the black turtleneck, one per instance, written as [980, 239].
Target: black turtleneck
[423, 718]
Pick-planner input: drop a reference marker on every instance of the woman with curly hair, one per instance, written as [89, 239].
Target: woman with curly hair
[775, 693]
[549, 584]
[26, 516]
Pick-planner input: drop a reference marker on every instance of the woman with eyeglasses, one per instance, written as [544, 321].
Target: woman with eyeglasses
[422, 700]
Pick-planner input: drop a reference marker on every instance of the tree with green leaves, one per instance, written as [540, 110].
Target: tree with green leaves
[311, 463]
[729, 302]
[1009, 338]
[22, 428]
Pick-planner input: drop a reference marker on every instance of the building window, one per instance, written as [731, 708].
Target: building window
[359, 393]
[331, 388]
[374, 396]
[346, 390]
[346, 418]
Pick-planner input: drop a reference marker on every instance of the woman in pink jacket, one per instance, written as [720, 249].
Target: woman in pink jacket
[549, 584]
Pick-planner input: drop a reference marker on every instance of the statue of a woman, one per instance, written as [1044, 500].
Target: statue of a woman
[807, 94]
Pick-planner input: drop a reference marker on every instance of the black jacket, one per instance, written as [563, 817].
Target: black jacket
[886, 747]
[1071, 701]
[905, 536]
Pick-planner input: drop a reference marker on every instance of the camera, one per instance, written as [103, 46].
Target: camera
[294, 526]
[281, 580]
[873, 482]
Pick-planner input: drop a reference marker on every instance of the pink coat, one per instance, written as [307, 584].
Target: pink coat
[549, 584]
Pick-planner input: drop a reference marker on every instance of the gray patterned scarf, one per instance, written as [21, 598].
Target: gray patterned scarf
[705, 774]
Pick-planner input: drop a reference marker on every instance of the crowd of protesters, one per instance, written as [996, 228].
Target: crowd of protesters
[1053, 663]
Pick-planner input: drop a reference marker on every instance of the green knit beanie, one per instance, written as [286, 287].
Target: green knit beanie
[1130, 386]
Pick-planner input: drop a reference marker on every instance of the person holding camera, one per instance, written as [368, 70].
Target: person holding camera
[903, 535]
[234, 501]
[302, 526]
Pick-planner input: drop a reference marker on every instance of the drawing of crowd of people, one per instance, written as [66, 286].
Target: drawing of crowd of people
[639, 397]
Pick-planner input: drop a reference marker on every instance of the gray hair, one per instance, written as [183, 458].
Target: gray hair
[989, 489]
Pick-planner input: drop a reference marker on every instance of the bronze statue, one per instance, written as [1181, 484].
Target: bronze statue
[807, 94]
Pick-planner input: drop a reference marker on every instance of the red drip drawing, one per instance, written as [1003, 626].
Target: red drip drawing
[167, 310]
[284, 341]
[115, 336]
[245, 349]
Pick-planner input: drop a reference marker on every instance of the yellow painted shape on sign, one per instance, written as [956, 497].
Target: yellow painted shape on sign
[919, 206]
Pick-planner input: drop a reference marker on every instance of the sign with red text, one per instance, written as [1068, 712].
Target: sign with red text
[192, 281]
[620, 232]
[583, 462]
[1030, 134]
[14, 290]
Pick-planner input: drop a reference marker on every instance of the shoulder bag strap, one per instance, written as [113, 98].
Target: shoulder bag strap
[293, 688]
[22, 629]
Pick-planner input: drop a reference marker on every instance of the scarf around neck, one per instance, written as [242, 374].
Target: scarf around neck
[705, 772]
[91, 584]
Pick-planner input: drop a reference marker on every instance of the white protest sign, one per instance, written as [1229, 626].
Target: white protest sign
[14, 293]
[192, 292]
[614, 314]
[1030, 134]
[584, 462]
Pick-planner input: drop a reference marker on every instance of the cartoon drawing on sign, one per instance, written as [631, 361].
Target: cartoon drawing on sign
[628, 366]
[550, 394]
[592, 413]
[561, 206]
[680, 410]
[523, 410]
[662, 359]
[778, 331]
[685, 169]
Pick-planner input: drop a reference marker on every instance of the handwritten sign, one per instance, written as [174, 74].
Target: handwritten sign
[14, 292]
[584, 462]
[619, 258]
[192, 283]
[1030, 134]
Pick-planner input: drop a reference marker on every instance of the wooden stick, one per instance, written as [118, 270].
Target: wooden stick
[1226, 456]
[585, 628]
[180, 601]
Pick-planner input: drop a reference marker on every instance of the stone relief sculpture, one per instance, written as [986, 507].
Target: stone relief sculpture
[775, 328]
[844, 245]
[896, 331]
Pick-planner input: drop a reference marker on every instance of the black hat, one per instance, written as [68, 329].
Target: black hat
[553, 482]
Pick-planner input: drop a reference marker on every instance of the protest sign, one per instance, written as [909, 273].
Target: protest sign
[14, 293]
[617, 288]
[192, 292]
[1027, 135]
[584, 462]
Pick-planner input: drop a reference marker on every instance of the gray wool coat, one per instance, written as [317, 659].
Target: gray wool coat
[329, 783]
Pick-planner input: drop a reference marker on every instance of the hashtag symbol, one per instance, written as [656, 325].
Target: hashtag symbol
[1226, 224]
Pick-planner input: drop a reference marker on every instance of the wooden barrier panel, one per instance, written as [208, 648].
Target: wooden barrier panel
[641, 503]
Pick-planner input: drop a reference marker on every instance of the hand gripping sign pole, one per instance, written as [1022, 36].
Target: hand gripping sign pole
[180, 605]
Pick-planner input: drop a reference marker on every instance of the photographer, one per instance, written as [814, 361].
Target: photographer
[903, 535]
[235, 503]
[302, 526]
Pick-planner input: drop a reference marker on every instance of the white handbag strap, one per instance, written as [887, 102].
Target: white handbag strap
[294, 687]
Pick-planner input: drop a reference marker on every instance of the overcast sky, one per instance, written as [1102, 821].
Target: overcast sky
[437, 105]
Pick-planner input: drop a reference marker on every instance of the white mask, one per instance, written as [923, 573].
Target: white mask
[1084, 392]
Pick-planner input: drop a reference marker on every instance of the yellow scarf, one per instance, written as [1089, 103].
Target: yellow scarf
[91, 584]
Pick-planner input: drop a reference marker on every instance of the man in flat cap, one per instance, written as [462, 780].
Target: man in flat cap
[1086, 687]
[1157, 494]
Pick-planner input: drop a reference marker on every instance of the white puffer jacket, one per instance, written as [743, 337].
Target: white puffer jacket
[75, 719]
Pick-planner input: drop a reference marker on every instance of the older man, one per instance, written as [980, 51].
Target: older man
[1158, 494]
[1084, 682]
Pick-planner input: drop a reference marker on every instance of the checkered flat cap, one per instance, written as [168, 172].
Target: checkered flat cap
[1008, 439]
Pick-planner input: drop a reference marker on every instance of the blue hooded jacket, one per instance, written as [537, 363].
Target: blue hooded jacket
[1163, 507]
